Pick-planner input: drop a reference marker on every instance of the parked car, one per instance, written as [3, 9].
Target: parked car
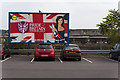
[71, 51]
[4, 51]
[44, 50]
[115, 52]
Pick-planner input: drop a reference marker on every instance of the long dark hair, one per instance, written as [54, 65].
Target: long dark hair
[59, 17]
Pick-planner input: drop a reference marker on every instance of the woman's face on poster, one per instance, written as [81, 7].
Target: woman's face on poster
[60, 21]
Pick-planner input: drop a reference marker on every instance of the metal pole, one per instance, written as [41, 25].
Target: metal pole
[39, 11]
[12, 49]
[28, 49]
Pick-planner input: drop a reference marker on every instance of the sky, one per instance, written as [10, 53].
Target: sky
[84, 14]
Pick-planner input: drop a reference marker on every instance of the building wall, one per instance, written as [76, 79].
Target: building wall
[86, 36]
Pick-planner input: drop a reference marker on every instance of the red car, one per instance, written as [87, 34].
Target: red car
[4, 52]
[71, 51]
[44, 50]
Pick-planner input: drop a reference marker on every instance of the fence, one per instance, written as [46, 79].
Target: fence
[20, 51]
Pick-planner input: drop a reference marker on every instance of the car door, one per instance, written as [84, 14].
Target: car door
[114, 51]
[5, 50]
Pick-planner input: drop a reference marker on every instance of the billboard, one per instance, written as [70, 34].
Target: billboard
[38, 27]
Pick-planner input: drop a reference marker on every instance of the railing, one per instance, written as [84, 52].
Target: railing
[57, 50]
[95, 51]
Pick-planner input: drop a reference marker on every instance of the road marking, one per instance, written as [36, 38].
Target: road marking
[32, 60]
[60, 60]
[5, 59]
[87, 60]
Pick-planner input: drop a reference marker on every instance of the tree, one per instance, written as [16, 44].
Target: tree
[110, 26]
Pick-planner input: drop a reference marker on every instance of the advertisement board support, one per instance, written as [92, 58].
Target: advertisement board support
[28, 49]
[40, 11]
[12, 49]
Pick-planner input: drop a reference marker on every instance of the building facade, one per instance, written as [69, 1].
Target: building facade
[86, 36]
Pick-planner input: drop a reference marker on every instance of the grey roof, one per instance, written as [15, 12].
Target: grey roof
[84, 32]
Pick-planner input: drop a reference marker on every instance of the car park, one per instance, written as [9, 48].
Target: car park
[115, 52]
[4, 52]
[44, 50]
[71, 51]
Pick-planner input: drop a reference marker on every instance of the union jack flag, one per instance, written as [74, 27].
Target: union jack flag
[35, 27]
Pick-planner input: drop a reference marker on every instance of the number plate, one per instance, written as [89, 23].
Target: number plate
[71, 52]
[44, 55]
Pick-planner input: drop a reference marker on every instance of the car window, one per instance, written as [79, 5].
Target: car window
[118, 46]
[72, 48]
[44, 46]
[115, 47]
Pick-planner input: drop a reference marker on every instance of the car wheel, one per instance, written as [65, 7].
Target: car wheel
[8, 55]
[110, 56]
[3, 57]
[79, 59]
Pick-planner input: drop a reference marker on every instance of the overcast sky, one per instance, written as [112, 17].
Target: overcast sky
[84, 14]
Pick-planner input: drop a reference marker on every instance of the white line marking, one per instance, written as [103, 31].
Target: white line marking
[87, 60]
[60, 60]
[111, 60]
[5, 59]
[32, 60]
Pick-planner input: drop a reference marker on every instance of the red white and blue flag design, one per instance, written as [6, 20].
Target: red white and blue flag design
[33, 27]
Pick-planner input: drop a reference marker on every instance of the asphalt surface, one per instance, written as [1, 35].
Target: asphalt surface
[88, 67]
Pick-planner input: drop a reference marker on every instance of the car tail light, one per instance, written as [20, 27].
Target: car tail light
[52, 53]
[1, 51]
[37, 53]
[78, 52]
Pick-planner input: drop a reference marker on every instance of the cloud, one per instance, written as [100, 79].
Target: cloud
[84, 14]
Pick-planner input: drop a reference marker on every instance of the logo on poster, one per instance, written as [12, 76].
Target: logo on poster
[14, 17]
[23, 26]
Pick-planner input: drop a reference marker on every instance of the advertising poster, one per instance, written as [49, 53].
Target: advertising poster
[38, 27]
